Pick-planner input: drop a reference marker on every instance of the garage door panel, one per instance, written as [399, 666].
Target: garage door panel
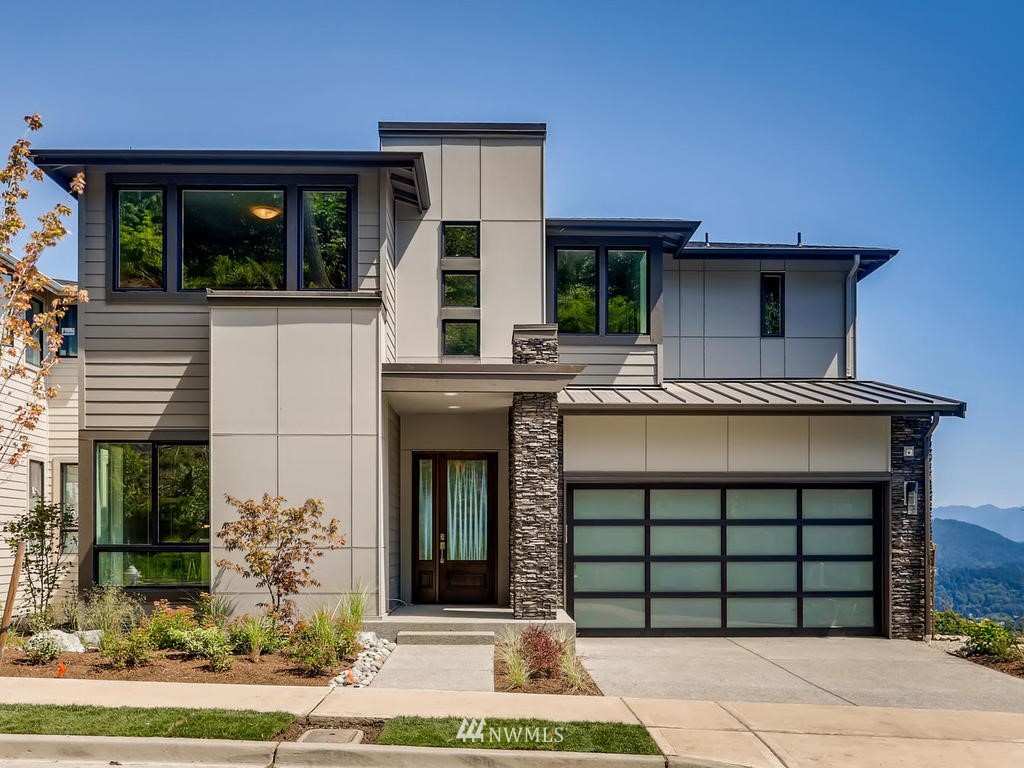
[686, 613]
[679, 560]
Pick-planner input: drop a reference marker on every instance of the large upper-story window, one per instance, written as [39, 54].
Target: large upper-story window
[602, 290]
[460, 288]
[180, 234]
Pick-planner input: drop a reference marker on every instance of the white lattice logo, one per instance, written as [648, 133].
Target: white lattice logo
[471, 729]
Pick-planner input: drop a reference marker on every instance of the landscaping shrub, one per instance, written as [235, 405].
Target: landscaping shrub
[278, 546]
[43, 529]
[542, 652]
[214, 610]
[109, 609]
[210, 643]
[989, 638]
[352, 606]
[42, 649]
[951, 623]
[254, 635]
[127, 650]
[167, 625]
[322, 642]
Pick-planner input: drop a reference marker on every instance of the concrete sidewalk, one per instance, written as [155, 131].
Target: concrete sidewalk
[760, 735]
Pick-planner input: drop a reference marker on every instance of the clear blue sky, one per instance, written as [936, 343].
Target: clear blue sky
[893, 124]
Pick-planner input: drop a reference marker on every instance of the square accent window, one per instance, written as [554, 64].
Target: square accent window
[232, 238]
[627, 291]
[461, 241]
[325, 239]
[773, 305]
[576, 297]
[461, 289]
[140, 239]
[461, 337]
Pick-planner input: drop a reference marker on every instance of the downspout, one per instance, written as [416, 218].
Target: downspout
[851, 316]
[929, 563]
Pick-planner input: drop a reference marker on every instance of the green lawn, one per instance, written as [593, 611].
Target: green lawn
[616, 738]
[140, 721]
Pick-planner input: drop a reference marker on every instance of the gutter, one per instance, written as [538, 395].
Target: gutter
[851, 316]
[929, 562]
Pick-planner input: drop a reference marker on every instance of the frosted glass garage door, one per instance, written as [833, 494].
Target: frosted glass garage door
[720, 560]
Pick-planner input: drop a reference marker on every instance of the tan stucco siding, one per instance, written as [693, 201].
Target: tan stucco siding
[716, 444]
[296, 406]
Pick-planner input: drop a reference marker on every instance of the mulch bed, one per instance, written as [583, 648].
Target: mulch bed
[557, 684]
[169, 667]
[370, 727]
[1007, 666]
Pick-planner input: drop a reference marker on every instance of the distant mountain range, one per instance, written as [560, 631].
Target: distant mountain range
[1008, 521]
[979, 572]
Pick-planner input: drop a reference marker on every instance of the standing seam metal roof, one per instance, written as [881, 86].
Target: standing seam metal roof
[764, 395]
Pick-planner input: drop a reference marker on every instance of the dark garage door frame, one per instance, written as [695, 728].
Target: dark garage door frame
[879, 557]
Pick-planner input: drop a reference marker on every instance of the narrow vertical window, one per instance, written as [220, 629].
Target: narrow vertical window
[627, 291]
[36, 482]
[576, 297]
[69, 333]
[773, 310]
[69, 500]
[140, 239]
[325, 239]
[34, 350]
[461, 241]
[461, 337]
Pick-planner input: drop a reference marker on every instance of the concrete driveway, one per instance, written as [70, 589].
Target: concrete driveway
[846, 670]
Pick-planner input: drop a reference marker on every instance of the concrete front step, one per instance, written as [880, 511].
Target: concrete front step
[448, 637]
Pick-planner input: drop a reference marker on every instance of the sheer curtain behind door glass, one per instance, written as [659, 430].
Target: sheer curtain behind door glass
[467, 509]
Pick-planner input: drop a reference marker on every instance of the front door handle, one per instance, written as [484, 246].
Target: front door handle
[442, 547]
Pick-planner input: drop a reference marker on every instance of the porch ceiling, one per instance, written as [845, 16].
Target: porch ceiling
[449, 403]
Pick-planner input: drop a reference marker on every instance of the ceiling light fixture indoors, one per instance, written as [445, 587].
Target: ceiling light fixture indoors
[265, 212]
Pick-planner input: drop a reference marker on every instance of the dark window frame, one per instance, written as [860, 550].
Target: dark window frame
[172, 185]
[597, 288]
[72, 311]
[32, 498]
[602, 245]
[114, 233]
[444, 326]
[444, 227]
[351, 236]
[154, 546]
[73, 529]
[765, 334]
[445, 273]
[878, 522]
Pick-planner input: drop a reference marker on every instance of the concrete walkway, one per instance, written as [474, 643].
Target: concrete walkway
[438, 667]
[840, 670]
[755, 734]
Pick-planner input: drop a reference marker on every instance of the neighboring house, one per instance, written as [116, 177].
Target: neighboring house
[660, 436]
[50, 471]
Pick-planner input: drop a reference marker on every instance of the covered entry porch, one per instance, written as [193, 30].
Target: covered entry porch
[472, 483]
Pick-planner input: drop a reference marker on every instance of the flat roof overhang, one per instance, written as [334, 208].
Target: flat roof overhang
[483, 378]
[871, 258]
[673, 233]
[408, 172]
[760, 396]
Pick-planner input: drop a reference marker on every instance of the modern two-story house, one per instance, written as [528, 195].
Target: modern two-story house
[610, 418]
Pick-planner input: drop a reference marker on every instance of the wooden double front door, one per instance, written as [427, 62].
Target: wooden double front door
[454, 514]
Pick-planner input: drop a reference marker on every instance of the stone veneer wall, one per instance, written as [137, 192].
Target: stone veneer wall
[535, 468]
[909, 600]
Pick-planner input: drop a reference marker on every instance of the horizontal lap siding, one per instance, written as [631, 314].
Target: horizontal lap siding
[389, 287]
[147, 366]
[612, 364]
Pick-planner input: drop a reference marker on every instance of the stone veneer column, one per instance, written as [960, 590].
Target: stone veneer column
[535, 467]
[909, 601]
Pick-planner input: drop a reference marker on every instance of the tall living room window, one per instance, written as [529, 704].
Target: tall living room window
[152, 521]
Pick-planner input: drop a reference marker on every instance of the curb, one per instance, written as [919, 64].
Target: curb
[129, 749]
[302, 754]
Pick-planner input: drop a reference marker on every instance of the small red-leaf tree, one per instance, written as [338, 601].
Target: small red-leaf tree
[24, 390]
[278, 546]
